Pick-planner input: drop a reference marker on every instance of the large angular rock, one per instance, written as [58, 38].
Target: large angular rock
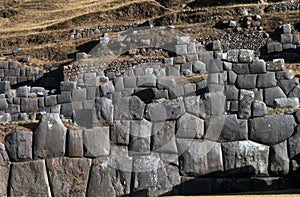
[267, 80]
[259, 108]
[245, 101]
[246, 81]
[96, 142]
[4, 170]
[163, 137]
[136, 108]
[189, 126]
[68, 176]
[215, 66]
[198, 157]
[214, 103]
[120, 132]
[107, 88]
[294, 144]
[140, 135]
[29, 179]
[287, 102]
[287, 85]
[279, 162]
[165, 83]
[107, 109]
[258, 67]
[194, 106]
[75, 143]
[153, 178]
[29, 105]
[146, 81]
[19, 146]
[272, 129]
[245, 158]
[49, 139]
[240, 69]
[111, 176]
[234, 129]
[83, 118]
[246, 55]
[168, 110]
[270, 94]
[232, 93]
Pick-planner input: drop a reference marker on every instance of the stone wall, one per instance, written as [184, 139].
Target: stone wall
[199, 123]
[16, 73]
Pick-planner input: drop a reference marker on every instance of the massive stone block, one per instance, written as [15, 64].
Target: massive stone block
[153, 178]
[215, 66]
[168, 110]
[96, 142]
[245, 158]
[246, 81]
[75, 143]
[234, 129]
[199, 157]
[136, 108]
[29, 179]
[259, 108]
[294, 144]
[83, 117]
[29, 105]
[189, 126]
[4, 170]
[163, 137]
[270, 94]
[68, 176]
[120, 132]
[258, 67]
[272, 129]
[267, 80]
[140, 135]
[107, 109]
[279, 162]
[214, 103]
[19, 146]
[49, 139]
[245, 101]
[110, 176]
[194, 106]
[240, 69]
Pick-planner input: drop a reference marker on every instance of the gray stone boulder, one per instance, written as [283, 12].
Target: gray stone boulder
[35, 174]
[245, 101]
[49, 139]
[259, 109]
[215, 66]
[240, 69]
[167, 110]
[29, 105]
[246, 81]
[288, 85]
[195, 106]
[272, 129]
[136, 108]
[267, 80]
[214, 103]
[285, 74]
[245, 158]
[232, 93]
[246, 55]
[107, 109]
[294, 144]
[270, 94]
[258, 67]
[234, 129]
[4, 170]
[68, 176]
[165, 83]
[96, 142]
[107, 88]
[153, 178]
[140, 136]
[163, 137]
[19, 146]
[189, 126]
[279, 160]
[3, 104]
[120, 132]
[287, 102]
[75, 143]
[196, 157]
[110, 176]
[23, 91]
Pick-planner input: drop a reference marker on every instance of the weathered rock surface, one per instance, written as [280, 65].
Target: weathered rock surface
[199, 157]
[19, 146]
[29, 179]
[294, 144]
[245, 158]
[245, 101]
[96, 142]
[163, 137]
[4, 170]
[271, 129]
[75, 143]
[68, 176]
[120, 132]
[234, 129]
[49, 139]
[279, 159]
[189, 126]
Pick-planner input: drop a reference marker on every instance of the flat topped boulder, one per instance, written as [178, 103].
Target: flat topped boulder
[272, 129]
